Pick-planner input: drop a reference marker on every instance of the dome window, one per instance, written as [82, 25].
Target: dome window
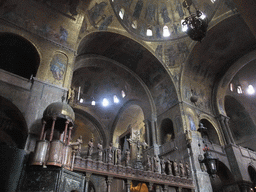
[123, 93]
[149, 32]
[116, 100]
[121, 13]
[250, 90]
[239, 90]
[166, 32]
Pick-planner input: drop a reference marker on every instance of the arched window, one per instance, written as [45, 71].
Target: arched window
[18, 55]
[121, 13]
[149, 31]
[166, 32]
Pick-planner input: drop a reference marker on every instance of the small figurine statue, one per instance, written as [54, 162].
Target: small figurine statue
[188, 137]
[118, 155]
[187, 170]
[110, 153]
[175, 168]
[149, 163]
[182, 170]
[127, 157]
[90, 149]
[77, 145]
[100, 150]
[71, 96]
[169, 166]
[156, 163]
[162, 161]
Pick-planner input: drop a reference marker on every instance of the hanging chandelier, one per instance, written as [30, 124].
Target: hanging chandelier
[195, 25]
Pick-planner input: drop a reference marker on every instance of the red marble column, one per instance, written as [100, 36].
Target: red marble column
[42, 131]
[52, 129]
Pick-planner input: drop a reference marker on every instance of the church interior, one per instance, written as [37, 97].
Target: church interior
[128, 95]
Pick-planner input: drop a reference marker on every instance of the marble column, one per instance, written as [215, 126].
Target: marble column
[87, 179]
[109, 181]
[221, 119]
[42, 132]
[165, 188]
[128, 185]
[228, 129]
[153, 129]
[65, 131]
[150, 187]
[52, 129]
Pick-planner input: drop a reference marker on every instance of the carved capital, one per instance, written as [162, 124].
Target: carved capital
[109, 180]
[87, 177]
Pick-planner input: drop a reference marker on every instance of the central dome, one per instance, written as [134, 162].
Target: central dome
[158, 20]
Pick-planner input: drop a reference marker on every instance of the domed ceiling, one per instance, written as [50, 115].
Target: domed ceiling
[158, 20]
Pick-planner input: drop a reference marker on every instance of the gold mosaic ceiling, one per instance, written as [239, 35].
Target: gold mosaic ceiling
[140, 16]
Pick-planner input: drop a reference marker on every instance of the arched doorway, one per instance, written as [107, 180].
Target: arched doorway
[18, 55]
[13, 127]
[13, 136]
[129, 123]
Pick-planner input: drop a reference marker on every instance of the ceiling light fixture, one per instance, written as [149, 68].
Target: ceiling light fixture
[195, 25]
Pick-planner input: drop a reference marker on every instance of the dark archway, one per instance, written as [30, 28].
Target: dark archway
[18, 55]
[167, 131]
[13, 127]
[224, 180]
[240, 123]
[252, 174]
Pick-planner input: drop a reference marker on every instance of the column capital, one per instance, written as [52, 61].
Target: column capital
[221, 117]
[87, 177]
[128, 182]
[109, 180]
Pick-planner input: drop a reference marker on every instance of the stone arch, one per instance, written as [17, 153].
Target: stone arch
[19, 56]
[97, 129]
[98, 61]
[212, 134]
[120, 113]
[13, 127]
[220, 90]
[139, 58]
[129, 120]
[241, 123]
[166, 131]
